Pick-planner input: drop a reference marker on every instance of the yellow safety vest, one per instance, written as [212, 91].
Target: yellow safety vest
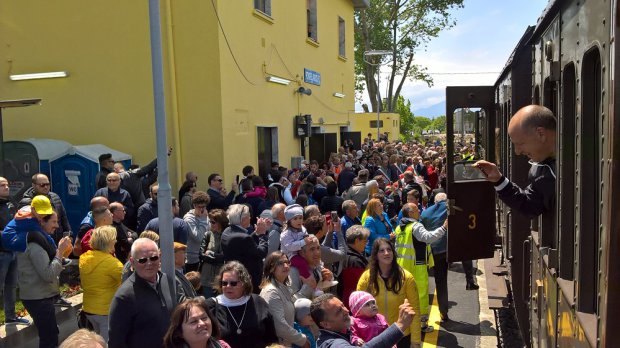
[405, 250]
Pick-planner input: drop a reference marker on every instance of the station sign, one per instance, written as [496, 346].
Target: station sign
[312, 77]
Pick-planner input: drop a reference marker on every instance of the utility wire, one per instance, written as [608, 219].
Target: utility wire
[228, 44]
[464, 73]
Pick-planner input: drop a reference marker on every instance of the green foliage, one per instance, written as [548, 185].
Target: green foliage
[439, 123]
[402, 27]
[403, 108]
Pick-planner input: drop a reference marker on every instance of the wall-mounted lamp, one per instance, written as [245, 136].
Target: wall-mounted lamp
[303, 90]
[36, 76]
[339, 95]
[278, 80]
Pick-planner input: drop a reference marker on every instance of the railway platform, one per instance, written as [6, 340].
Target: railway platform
[472, 323]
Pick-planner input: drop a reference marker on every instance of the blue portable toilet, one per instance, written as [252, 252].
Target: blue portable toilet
[24, 158]
[73, 177]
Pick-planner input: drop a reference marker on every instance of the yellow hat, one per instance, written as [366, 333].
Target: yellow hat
[42, 205]
[179, 246]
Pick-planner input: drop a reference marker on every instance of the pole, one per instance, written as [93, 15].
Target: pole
[1, 146]
[378, 101]
[164, 195]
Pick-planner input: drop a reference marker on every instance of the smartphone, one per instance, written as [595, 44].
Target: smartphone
[237, 179]
[328, 219]
[66, 234]
[334, 216]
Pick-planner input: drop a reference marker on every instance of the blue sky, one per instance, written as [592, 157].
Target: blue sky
[485, 34]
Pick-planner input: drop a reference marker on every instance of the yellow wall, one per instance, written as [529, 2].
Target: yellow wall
[391, 124]
[282, 47]
[212, 110]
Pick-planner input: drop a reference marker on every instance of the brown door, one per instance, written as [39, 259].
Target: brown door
[471, 218]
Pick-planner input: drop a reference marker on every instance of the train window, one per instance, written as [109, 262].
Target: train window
[470, 142]
[589, 183]
[567, 173]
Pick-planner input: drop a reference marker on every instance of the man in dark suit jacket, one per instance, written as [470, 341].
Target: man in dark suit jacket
[239, 245]
[219, 198]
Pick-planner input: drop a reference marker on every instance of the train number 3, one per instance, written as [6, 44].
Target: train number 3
[472, 221]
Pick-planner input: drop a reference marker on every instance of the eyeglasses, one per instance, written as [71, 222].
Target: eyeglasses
[151, 258]
[45, 184]
[224, 283]
[112, 180]
[212, 222]
[220, 180]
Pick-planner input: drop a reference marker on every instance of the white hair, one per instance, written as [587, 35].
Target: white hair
[236, 213]
[139, 243]
[441, 197]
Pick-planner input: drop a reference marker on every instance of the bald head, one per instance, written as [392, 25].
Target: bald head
[533, 116]
[99, 202]
[532, 131]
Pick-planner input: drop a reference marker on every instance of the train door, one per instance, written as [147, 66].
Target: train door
[471, 216]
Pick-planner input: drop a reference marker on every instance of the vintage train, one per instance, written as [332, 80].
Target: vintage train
[559, 268]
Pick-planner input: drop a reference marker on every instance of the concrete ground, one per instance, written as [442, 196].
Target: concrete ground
[472, 323]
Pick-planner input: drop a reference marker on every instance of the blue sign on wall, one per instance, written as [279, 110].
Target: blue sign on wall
[313, 77]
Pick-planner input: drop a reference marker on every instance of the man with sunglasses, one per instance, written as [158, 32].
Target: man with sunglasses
[220, 199]
[141, 308]
[41, 186]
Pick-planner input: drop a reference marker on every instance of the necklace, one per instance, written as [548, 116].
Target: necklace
[242, 317]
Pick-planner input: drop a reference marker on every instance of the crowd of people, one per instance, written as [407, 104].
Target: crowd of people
[297, 258]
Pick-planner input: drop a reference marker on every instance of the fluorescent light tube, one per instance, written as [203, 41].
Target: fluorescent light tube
[279, 80]
[35, 76]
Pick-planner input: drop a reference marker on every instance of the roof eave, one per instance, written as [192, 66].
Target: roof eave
[360, 4]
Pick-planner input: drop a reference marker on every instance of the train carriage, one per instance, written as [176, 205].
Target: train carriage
[563, 285]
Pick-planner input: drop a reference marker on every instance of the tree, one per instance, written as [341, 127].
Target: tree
[439, 123]
[403, 108]
[400, 26]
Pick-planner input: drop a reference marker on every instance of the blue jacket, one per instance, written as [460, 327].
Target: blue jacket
[377, 229]
[180, 229]
[309, 336]
[433, 217]
[387, 339]
[345, 223]
[15, 234]
[147, 212]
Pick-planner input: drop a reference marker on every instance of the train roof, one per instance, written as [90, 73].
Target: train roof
[523, 41]
[546, 17]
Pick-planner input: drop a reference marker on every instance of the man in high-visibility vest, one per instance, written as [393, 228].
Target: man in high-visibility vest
[414, 255]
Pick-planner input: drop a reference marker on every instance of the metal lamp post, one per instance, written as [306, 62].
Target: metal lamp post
[379, 53]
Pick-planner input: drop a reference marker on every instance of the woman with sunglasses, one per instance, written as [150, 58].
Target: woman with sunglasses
[276, 290]
[100, 274]
[243, 317]
[211, 255]
[192, 325]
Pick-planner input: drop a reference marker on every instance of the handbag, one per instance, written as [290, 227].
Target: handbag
[83, 322]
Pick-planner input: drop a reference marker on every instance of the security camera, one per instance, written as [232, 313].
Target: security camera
[303, 90]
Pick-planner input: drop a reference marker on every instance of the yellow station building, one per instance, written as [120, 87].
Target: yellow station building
[237, 73]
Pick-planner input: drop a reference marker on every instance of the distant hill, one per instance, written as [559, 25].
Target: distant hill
[432, 111]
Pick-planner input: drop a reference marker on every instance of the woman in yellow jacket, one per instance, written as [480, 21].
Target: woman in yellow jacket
[390, 284]
[100, 274]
